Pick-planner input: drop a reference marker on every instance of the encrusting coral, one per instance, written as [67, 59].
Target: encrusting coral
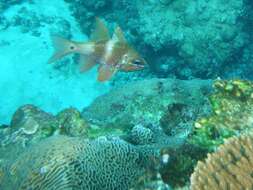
[146, 100]
[230, 167]
[232, 113]
[71, 123]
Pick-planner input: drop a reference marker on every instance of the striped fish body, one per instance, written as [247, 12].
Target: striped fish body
[111, 54]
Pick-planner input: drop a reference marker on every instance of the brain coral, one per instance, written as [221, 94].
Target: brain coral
[71, 163]
[230, 167]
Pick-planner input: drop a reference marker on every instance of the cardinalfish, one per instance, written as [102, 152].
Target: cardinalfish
[111, 54]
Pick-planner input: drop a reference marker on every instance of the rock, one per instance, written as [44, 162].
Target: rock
[144, 101]
[30, 120]
[71, 123]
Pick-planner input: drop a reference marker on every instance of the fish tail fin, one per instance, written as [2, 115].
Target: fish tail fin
[62, 48]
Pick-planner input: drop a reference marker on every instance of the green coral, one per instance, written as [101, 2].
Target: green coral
[71, 123]
[232, 113]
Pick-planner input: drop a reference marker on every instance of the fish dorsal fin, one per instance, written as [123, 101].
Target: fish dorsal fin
[86, 63]
[101, 32]
[105, 72]
[118, 35]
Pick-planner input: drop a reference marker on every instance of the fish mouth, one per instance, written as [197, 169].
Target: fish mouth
[139, 67]
[141, 64]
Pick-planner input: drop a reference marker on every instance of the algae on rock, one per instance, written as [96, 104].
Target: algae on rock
[71, 123]
[143, 102]
[232, 113]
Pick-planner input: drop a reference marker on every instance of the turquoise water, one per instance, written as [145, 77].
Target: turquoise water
[189, 89]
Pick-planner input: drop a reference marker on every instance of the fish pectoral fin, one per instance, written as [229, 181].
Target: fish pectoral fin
[101, 32]
[105, 72]
[118, 35]
[86, 63]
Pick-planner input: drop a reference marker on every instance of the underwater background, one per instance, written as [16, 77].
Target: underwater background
[183, 122]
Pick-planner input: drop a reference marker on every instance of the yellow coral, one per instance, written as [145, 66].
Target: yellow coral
[230, 167]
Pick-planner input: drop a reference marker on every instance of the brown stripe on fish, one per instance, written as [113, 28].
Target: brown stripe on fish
[99, 49]
[118, 51]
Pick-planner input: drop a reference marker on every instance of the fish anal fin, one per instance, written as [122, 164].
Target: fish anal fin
[119, 35]
[105, 72]
[86, 63]
[101, 32]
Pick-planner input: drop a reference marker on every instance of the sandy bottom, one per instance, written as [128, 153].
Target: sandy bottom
[25, 76]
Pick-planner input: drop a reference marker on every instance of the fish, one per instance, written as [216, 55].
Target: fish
[111, 54]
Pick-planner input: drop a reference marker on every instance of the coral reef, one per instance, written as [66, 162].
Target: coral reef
[5, 4]
[31, 120]
[71, 163]
[199, 42]
[230, 167]
[30, 125]
[153, 185]
[181, 165]
[141, 135]
[157, 113]
[33, 148]
[31, 21]
[196, 39]
[144, 101]
[144, 135]
[231, 114]
[169, 105]
[71, 123]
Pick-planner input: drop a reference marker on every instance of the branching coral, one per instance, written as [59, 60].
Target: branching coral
[230, 167]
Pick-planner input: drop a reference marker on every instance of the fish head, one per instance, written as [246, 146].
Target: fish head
[132, 61]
